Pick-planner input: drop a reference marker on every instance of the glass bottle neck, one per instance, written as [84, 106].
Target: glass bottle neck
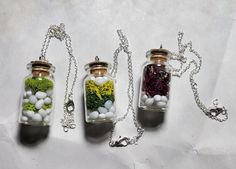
[158, 60]
[98, 72]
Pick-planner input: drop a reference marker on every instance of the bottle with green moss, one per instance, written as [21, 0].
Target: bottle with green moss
[37, 99]
[99, 93]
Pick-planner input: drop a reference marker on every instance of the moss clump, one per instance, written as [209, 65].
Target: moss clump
[93, 101]
[29, 107]
[97, 95]
[47, 106]
[38, 84]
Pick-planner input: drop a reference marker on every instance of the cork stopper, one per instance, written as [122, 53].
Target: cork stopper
[158, 55]
[98, 68]
[41, 67]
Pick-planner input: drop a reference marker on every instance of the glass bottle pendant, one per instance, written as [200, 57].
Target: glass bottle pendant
[154, 88]
[99, 93]
[38, 94]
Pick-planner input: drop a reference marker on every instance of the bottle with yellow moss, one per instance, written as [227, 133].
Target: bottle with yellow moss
[99, 93]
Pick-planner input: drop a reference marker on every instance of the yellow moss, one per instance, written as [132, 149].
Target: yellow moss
[105, 89]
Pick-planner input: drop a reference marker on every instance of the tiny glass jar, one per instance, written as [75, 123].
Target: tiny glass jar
[99, 93]
[154, 87]
[37, 99]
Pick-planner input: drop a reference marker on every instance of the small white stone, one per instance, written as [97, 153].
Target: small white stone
[112, 109]
[25, 100]
[24, 113]
[157, 98]
[30, 114]
[144, 97]
[24, 118]
[37, 117]
[164, 98]
[24, 94]
[99, 80]
[109, 115]
[102, 116]
[48, 111]
[108, 104]
[33, 99]
[47, 100]
[39, 104]
[161, 104]
[49, 93]
[41, 95]
[92, 78]
[42, 112]
[149, 101]
[93, 115]
[29, 93]
[46, 119]
[102, 110]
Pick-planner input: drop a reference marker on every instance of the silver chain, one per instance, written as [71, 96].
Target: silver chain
[215, 112]
[125, 141]
[59, 33]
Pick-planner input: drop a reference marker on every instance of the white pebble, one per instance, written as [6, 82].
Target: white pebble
[144, 97]
[42, 112]
[102, 110]
[24, 113]
[49, 93]
[25, 100]
[29, 93]
[41, 95]
[25, 94]
[112, 109]
[164, 98]
[161, 104]
[99, 80]
[30, 114]
[109, 115]
[46, 119]
[108, 104]
[33, 99]
[102, 116]
[92, 78]
[157, 98]
[48, 111]
[94, 115]
[47, 100]
[39, 104]
[149, 101]
[37, 117]
[24, 118]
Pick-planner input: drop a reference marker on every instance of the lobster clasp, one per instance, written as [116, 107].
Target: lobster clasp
[70, 106]
[122, 142]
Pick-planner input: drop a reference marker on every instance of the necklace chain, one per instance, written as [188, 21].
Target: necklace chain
[124, 141]
[59, 33]
[215, 112]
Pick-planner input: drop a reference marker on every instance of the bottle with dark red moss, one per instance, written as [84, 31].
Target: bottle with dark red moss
[154, 88]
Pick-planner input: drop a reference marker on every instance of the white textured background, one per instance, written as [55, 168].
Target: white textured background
[187, 140]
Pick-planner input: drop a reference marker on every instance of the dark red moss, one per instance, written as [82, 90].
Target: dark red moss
[155, 80]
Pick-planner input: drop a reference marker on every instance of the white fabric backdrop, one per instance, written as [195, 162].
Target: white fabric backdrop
[188, 139]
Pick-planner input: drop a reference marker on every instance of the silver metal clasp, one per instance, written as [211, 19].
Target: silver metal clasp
[122, 142]
[70, 106]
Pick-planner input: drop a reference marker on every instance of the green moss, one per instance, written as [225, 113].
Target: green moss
[93, 101]
[47, 106]
[38, 84]
[29, 106]
[97, 95]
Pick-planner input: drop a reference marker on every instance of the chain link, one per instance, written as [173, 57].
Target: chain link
[125, 141]
[214, 111]
[59, 33]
